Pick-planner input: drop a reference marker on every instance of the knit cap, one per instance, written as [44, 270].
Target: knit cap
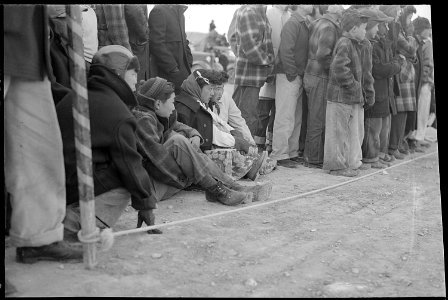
[420, 24]
[352, 18]
[117, 58]
[151, 90]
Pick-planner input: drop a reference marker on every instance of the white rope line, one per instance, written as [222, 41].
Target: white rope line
[124, 232]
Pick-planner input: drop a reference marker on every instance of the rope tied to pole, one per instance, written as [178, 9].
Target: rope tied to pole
[105, 237]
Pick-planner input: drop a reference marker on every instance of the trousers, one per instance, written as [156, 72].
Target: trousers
[288, 119]
[397, 125]
[34, 163]
[343, 138]
[246, 98]
[266, 116]
[315, 88]
[376, 139]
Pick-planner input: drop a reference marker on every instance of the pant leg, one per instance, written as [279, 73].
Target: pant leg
[270, 133]
[356, 136]
[34, 164]
[384, 136]
[303, 128]
[246, 98]
[195, 165]
[398, 123]
[288, 117]
[371, 143]
[336, 150]
[315, 88]
[410, 124]
[264, 109]
[424, 104]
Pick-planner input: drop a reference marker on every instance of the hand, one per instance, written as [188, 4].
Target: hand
[195, 142]
[253, 150]
[148, 217]
[291, 78]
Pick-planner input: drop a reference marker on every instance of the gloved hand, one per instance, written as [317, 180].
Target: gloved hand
[148, 217]
[240, 142]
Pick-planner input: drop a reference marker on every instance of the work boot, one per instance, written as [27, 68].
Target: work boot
[396, 154]
[225, 195]
[57, 251]
[262, 191]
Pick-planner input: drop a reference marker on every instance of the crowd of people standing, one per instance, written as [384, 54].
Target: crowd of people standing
[339, 89]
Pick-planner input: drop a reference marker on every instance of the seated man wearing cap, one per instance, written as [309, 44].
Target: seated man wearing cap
[171, 150]
[118, 174]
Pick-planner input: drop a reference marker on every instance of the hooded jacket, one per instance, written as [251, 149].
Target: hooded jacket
[116, 162]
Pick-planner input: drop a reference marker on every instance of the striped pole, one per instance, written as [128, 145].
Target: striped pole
[81, 124]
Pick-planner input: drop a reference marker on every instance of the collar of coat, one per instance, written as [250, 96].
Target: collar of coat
[355, 41]
[100, 74]
[189, 101]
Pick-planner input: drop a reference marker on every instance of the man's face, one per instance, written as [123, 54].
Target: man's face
[130, 76]
[373, 31]
[218, 91]
[207, 93]
[359, 32]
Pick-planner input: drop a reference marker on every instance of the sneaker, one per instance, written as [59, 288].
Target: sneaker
[396, 154]
[345, 172]
[313, 166]
[221, 193]
[378, 165]
[261, 191]
[57, 251]
[287, 163]
[253, 172]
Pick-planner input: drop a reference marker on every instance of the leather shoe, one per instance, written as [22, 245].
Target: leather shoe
[287, 163]
[57, 251]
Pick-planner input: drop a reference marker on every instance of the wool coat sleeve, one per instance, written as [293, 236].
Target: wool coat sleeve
[325, 45]
[186, 130]
[367, 80]
[382, 69]
[406, 47]
[288, 38]
[252, 39]
[340, 64]
[137, 22]
[116, 25]
[129, 163]
[157, 39]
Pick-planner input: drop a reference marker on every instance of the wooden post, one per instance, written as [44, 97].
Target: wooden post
[81, 122]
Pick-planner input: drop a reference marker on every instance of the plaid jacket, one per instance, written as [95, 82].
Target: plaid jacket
[152, 132]
[112, 28]
[344, 83]
[255, 53]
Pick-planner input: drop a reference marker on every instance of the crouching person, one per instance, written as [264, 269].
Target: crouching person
[171, 149]
[118, 173]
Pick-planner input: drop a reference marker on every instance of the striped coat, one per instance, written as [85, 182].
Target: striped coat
[255, 53]
[112, 27]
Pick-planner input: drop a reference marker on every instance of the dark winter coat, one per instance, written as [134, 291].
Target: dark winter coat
[152, 132]
[191, 113]
[138, 31]
[325, 32]
[170, 54]
[385, 66]
[293, 51]
[116, 162]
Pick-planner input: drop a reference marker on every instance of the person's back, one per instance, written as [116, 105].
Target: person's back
[112, 27]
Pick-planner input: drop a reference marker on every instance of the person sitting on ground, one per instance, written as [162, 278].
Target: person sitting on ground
[171, 149]
[191, 104]
[118, 173]
[342, 150]
[223, 105]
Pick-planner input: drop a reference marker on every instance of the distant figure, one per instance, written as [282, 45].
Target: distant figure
[212, 26]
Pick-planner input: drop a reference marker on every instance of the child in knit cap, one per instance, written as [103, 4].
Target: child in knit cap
[345, 115]
[171, 149]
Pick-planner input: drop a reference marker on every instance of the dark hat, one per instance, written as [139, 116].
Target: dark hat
[152, 90]
[116, 57]
[390, 10]
[420, 24]
[375, 16]
[352, 18]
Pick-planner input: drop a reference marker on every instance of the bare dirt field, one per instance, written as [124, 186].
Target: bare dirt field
[380, 236]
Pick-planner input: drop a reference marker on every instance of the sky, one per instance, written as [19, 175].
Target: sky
[199, 16]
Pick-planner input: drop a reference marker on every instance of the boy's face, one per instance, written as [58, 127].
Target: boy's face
[218, 91]
[165, 109]
[207, 93]
[131, 78]
[359, 32]
[425, 34]
[371, 33]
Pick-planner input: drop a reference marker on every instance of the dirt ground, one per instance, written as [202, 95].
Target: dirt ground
[380, 236]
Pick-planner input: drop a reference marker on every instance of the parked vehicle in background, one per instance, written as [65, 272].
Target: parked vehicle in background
[205, 60]
[227, 60]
